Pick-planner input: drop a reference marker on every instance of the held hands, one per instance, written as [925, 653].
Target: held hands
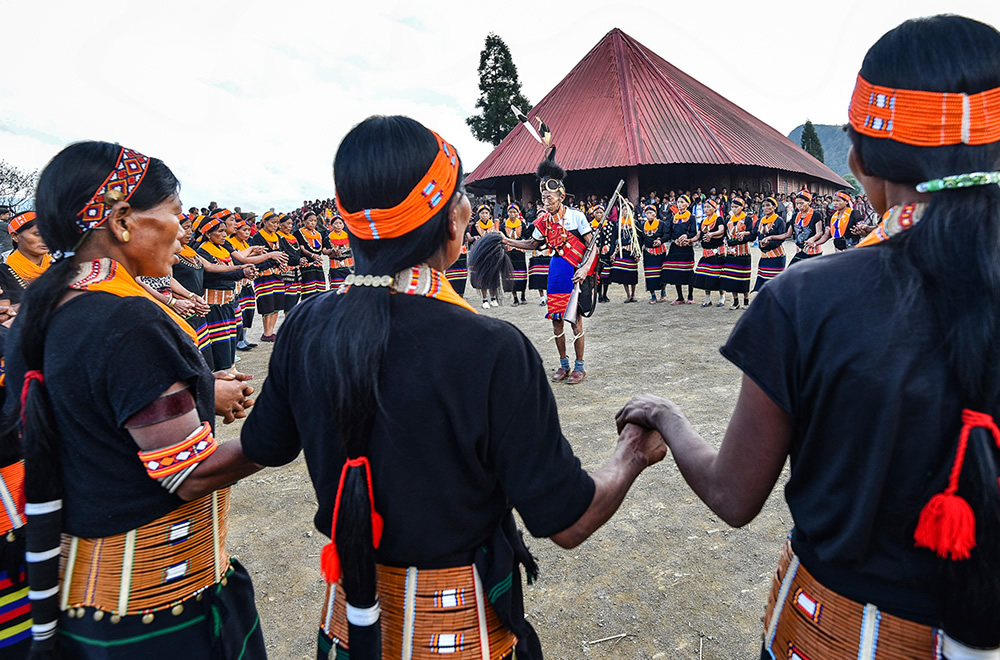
[280, 257]
[232, 396]
[184, 308]
[200, 306]
[644, 442]
[249, 272]
[648, 411]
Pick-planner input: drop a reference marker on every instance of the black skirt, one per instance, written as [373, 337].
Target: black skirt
[538, 272]
[708, 273]
[736, 274]
[678, 266]
[458, 274]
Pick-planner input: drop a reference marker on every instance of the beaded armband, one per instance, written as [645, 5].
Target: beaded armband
[171, 465]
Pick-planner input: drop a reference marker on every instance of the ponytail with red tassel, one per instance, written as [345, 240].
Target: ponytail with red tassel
[330, 558]
[947, 524]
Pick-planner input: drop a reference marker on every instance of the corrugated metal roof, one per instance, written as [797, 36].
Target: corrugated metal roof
[625, 105]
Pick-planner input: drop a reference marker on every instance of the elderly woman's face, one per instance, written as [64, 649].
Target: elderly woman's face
[155, 239]
[682, 205]
[767, 208]
[30, 243]
[218, 234]
[243, 233]
[186, 227]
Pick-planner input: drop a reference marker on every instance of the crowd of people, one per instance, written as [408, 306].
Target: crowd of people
[119, 361]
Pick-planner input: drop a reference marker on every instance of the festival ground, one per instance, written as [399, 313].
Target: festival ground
[664, 578]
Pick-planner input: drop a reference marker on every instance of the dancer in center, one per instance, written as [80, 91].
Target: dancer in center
[568, 233]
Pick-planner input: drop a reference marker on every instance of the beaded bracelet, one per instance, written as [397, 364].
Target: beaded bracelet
[959, 181]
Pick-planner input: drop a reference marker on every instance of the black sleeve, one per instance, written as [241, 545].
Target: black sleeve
[534, 463]
[269, 435]
[148, 340]
[763, 345]
[692, 228]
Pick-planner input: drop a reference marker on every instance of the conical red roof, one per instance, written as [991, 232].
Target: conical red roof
[624, 105]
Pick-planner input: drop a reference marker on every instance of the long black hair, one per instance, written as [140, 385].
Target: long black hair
[377, 165]
[64, 187]
[949, 259]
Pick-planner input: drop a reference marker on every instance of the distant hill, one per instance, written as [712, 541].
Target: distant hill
[835, 145]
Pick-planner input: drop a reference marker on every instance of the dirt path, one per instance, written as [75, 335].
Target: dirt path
[665, 572]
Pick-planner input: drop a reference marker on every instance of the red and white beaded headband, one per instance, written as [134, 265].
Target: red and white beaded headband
[118, 187]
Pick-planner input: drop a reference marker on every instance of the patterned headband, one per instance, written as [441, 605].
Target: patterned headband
[739, 200]
[118, 187]
[843, 195]
[772, 201]
[804, 194]
[426, 199]
[20, 220]
[925, 119]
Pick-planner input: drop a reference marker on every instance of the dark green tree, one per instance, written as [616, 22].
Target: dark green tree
[810, 141]
[498, 89]
[851, 179]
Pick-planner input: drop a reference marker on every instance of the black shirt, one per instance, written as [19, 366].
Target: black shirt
[106, 358]
[875, 422]
[447, 459]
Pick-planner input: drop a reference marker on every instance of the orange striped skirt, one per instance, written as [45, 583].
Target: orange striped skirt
[152, 567]
[807, 621]
[426, 613]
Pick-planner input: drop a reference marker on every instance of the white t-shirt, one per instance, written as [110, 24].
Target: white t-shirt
[572, 220]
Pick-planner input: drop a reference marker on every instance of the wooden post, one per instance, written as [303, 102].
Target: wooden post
[632, 184]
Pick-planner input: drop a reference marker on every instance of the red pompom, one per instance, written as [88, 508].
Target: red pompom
[947, 526]
[329, 561]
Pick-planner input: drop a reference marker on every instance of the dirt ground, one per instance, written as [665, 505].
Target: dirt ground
[664, 578]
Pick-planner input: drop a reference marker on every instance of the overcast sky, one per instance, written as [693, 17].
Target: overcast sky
[247, 101]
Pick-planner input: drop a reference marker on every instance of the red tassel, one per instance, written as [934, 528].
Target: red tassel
[947, 526]
[330, 558]
[330, 563]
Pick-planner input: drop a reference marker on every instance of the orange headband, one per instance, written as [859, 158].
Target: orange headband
[422, 204]
[20, 220]
[925, 119]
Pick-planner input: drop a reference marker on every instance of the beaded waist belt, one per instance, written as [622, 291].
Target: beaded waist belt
[658, 250]
[776, 252]
[153, 567]
[426, 613]
[804, 619]
[11, 499]
[267, 271]
[218, 296]
[739, 250]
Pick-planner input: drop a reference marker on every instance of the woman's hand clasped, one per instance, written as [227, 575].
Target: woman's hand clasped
[644, 442]
[648, 411]
[232, 396]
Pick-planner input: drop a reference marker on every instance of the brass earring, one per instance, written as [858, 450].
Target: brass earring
[126, 236]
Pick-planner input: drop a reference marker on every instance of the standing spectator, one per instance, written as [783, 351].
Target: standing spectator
[5, 242]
